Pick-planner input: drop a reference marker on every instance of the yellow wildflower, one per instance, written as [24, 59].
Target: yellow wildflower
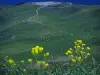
[33, 48]
[10, 61]
[40, 49]
[68, 52]
[43, 62]
[24, 70]
[79, 41]
[30, 60]
[38, 61]
[88, 54]
[83, 44]
[46, 65]
[46, 54]
[22, 61]
[75, 42]
[78, 47]
[82, 52]
[36, 52]
[82, 48]
[73, 60]
[88, 48]
[75, 47]
[33, 51]
[79, 58]
[70, 49]
[36, 47]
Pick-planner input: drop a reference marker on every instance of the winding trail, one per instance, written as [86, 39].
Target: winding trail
[37, 13]
[15, 22]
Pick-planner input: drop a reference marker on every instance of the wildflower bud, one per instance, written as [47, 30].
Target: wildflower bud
[38, 61]
[44, 55]
[78, 47]
[36, 47]
[22, 61]
[88, 54]
[79, 58]
[10, 61]
[6, 57]
[43, 62]
[79, 41]
[82, 52]
[83, 44]
[82, 48]
[70, 49]
[33, 49]
[88, 48]
[40, 49]
[46, 65]
[73, 60]
[68, 52]
[47, 54]
[75, 47]
[75, 42]
[36, 52]
[24, 70]
[30, 60]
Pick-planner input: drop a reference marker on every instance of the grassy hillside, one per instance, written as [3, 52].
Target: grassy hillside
[54, 28]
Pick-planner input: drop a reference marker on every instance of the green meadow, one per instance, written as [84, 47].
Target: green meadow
[54, 27]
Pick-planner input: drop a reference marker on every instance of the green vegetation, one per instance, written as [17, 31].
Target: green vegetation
[77, 64]
[49, 34]
[55, 28]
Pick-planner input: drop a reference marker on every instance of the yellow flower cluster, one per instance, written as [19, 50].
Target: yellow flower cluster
[11, 61]
[36, 50]
[79, 52]
[69, 51]
[30, 60]
[39, 63]
[46, 54]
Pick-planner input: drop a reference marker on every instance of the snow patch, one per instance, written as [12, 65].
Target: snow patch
[47, 3]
